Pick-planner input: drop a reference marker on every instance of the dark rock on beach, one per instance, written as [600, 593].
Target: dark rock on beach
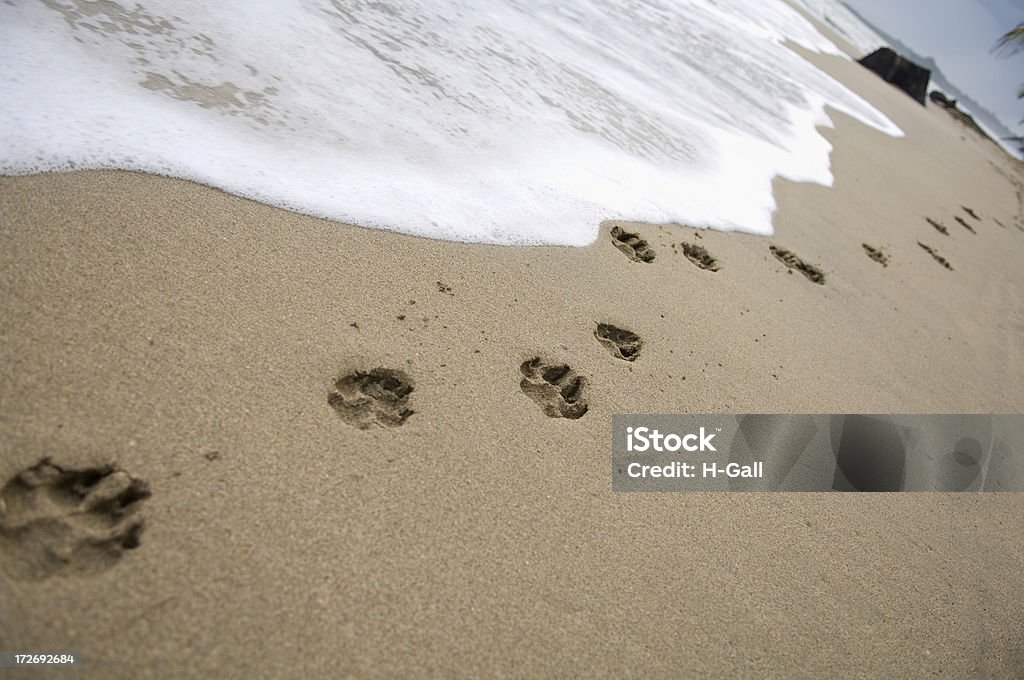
[899, 71]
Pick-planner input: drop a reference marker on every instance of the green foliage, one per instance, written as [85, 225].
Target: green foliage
[1012, 41]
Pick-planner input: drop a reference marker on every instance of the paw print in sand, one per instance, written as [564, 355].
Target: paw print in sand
[380, 397]
[555, 388]
[63, 521]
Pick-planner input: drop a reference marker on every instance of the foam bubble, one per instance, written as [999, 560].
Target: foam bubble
[506, 122]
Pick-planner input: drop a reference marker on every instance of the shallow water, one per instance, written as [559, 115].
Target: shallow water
[507, 122]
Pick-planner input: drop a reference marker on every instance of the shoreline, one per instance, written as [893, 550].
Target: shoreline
[194, 338]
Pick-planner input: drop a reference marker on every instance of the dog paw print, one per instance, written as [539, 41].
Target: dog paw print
[379, 397]
[64, 521]
[555, 388]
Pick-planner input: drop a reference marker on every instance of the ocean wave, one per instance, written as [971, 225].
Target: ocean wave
[512, 122]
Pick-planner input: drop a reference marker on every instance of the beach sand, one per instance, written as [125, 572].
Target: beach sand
[193, 337]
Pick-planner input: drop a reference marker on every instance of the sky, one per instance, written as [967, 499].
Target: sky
[959, 35]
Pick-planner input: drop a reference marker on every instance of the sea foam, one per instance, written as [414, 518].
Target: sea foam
[513, 122]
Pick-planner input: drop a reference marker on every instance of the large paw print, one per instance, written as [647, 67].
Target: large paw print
[61, 521]
[380, 397]
[555, 387]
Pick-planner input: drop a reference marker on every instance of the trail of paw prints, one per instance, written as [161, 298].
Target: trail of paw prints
[57, 521]
[556, 388]
[792, 261]
[935, 255]
[941, 228]
[1003, 224]
[634, 247]
[876, 254]
[621, 343]
[378, 398]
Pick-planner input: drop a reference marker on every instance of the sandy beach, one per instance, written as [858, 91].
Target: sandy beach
[193, 338]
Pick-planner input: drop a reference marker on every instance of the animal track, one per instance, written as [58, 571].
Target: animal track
[935, 254]
[970, 212]
[555, 387]
[57, 521]
[632, 245]
[941, 228]
[380, 397]
[700, 257]
[876, 254]
[621, 343]
[793, 262]
[965, 225]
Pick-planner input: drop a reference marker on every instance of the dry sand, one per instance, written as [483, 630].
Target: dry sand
[193, 337]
